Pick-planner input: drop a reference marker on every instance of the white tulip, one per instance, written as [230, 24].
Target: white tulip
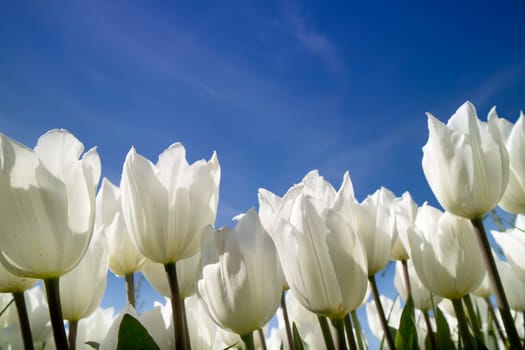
[241, 282]
[466, 163]
[47, 205]
[167, 206]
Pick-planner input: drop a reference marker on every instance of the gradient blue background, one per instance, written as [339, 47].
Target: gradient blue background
[276, 88]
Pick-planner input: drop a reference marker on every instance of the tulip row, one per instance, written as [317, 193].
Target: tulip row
[311, 255]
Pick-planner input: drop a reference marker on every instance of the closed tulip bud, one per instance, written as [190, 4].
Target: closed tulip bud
[241, 282]
[405, 211]
[466, 163]
[48, 203]
[422, 297]
[443, 255]
[124, 257]
[374, 221]
[82, 289]
[513, 199]
[167, 206]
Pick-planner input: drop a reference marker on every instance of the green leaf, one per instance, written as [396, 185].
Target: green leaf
[7, 306]
[297, 341]
[133, 336]
[93, 344]
[492, 341]
[406, 337]
[443, 338]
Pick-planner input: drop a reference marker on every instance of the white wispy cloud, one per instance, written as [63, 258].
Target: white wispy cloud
[314, 41]
[484, 92]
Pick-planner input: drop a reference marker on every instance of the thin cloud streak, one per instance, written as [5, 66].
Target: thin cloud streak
[316, 42]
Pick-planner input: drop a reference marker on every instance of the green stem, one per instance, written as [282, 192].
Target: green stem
[262, 339]
[463, 324]
[381, 313]
[474, 320]
[24, 320]
[492, 313]
[497, 285]
[430, 331]
[185, 324]
[176, 306]
[130, 288]
[55, 312]
[248, 341]
[406, 277]
[327, 335]
[73, 327]
[350, 333]
[358, 330]
[289, 336]
[340, 327]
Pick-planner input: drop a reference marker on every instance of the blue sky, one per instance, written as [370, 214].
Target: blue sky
[276, 88]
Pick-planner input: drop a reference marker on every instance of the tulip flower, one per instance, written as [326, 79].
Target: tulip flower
[38, 315]
[444, 260]
[374, 221]
[442, 253]
[513, 199]
[153, 324]
[322, 256]
[48, 202]
[423, 299]
[55, 195]
[393, 309]
[202, 328]
[323, 260]
[188, 271]
[157, 327]
[124, 258]
[466, 163]
[405, 211]
[241, 283]
[166, 208]
[82, 289]
[10, 283]
[514, 286]
[512, 241]
[94, 328]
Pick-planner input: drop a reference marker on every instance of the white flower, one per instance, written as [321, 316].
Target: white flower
[466, 163]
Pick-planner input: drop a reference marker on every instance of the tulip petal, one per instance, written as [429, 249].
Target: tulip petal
[28, 188]
[144, 205]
